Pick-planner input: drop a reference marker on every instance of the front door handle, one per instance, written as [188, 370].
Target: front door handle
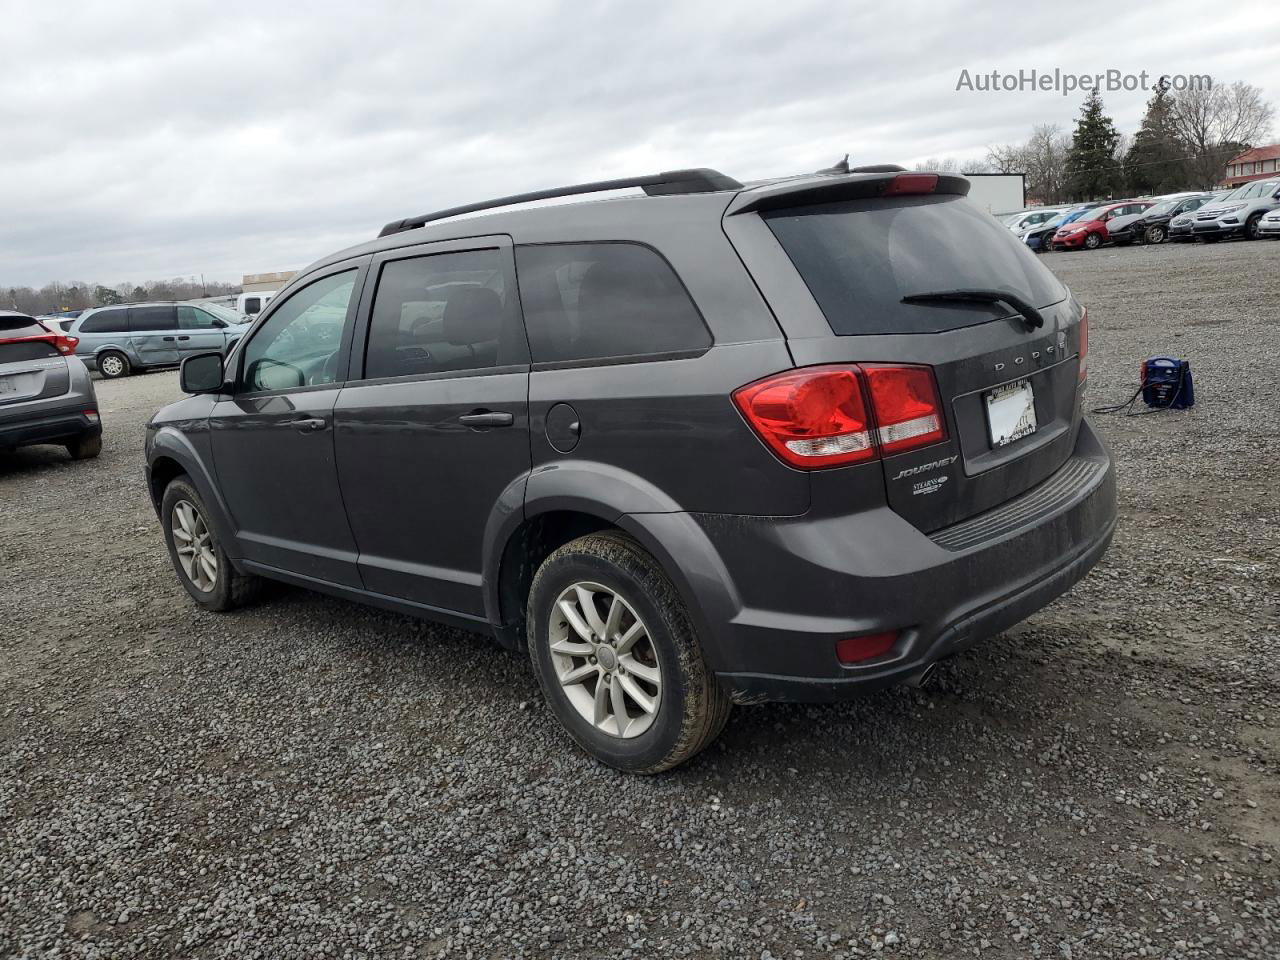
[310, 425]
[487, 418]
[168, 339]
[184, 338]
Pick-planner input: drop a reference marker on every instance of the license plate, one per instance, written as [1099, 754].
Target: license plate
[8, 385]
[1011, 412]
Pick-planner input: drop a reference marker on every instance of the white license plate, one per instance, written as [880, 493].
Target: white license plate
[1011, 412]
[8, 385]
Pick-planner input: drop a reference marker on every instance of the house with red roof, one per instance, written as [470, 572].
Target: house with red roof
[1252, 165]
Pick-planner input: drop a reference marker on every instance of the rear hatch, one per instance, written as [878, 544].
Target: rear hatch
[31, 366]
[1006, 363]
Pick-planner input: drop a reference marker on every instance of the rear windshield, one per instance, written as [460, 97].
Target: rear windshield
[14, 327]
[861, 257]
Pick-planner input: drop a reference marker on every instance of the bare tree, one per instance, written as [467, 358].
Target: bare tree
[1007, 158]
[1217, 122]
[944, 165]
[1045, 162]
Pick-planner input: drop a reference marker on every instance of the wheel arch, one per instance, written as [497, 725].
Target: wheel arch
[567, 500]
[172, 455]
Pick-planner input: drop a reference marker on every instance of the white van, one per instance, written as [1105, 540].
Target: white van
[252, 304]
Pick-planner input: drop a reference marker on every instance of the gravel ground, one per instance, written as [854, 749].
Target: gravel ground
[309, 778]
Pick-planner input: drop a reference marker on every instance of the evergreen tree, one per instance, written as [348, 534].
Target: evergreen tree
[1093, 172]
[1154, 163]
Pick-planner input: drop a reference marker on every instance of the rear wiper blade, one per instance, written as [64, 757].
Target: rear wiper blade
[1030, 314]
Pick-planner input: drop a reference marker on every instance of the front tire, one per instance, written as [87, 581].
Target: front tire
[1251, 227]
[617, 658]
[201, 563]
[1155, 234]
[1092, 241]
[113, 364]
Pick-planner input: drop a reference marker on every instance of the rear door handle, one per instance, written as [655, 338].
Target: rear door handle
[309, 425]
[487, 418]
[184, 338]
[169, 339]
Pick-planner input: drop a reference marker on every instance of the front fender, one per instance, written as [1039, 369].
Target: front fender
[184, 446]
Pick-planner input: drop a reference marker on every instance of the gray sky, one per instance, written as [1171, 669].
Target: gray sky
[146, 140]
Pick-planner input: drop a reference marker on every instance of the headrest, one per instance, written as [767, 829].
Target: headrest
[473, 315]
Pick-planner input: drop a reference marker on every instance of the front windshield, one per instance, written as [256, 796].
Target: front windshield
[223, 313]
[1236, 194]
[1260, 189]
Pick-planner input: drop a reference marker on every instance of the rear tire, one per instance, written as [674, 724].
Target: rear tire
[197, 556]
[86, 447]
[113, 364]
[584, 581]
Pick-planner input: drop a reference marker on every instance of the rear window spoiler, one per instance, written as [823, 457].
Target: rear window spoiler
[855, 186]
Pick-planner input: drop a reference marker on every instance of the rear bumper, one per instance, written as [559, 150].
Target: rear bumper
[797, 585]
[47, 426]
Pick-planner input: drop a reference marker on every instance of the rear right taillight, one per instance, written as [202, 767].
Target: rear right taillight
[64, 344]
[833, 415]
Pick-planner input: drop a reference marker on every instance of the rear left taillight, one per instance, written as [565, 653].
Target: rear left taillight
[833, 415]
[1084, 343]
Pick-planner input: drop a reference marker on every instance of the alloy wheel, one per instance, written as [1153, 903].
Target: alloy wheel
[194, 545]
[605, 661]
[111, 366]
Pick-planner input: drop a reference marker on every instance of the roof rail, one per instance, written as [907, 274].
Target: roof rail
[699, 180]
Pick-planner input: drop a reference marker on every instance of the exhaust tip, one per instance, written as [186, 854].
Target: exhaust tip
[922, 677]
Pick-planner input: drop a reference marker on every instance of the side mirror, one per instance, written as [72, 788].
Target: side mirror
[201, 373]
[219, 323]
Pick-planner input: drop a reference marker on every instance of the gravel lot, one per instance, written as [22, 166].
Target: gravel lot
[310, 778]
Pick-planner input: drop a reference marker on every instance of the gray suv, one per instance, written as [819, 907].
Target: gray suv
[46, 394]
[117, 340]
[711, 445]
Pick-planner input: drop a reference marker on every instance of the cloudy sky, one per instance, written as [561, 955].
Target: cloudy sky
[146, 140]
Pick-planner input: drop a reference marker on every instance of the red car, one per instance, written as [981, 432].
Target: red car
[1092, 230]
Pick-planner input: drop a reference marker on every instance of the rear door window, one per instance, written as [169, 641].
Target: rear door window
[592, 301]
[859, 258]
[152, 319]
[106, 321]
[444, 312]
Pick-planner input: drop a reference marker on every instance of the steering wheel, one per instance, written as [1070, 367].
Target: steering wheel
[328, 372]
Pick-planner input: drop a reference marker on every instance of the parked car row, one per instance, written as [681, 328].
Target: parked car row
[1250, 211]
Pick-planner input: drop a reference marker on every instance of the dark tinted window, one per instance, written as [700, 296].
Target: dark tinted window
[21, 326]
[149, 319]
[193, 318]
[597, 300]
[106, 321]
[450, 311]
[861, 257]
